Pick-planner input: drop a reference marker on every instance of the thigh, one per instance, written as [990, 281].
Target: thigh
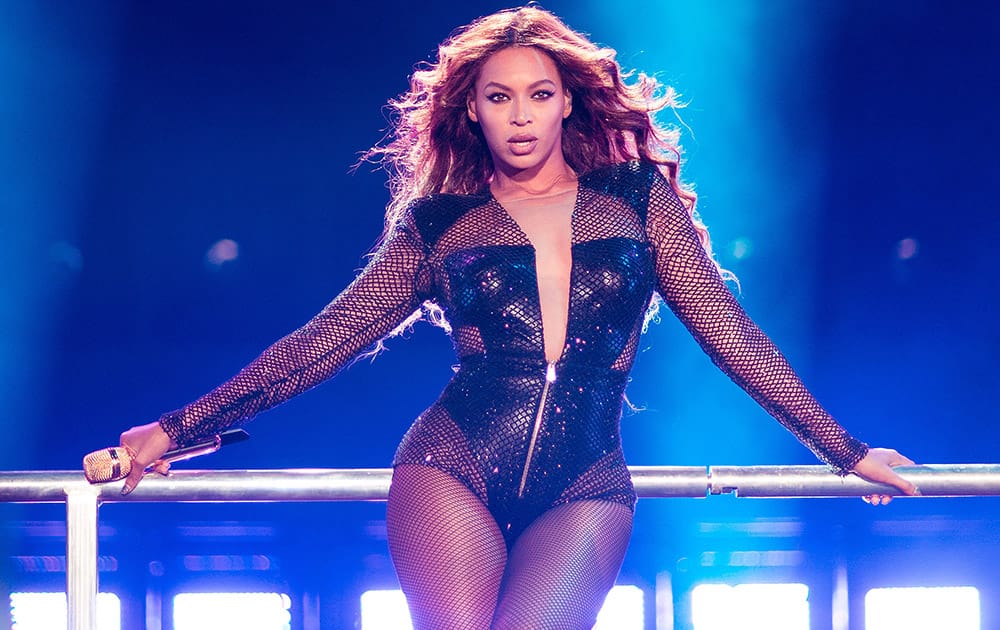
[561, 568]
[448, 551]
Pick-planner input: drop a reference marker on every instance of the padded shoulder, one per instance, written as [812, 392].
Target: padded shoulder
[629, 181]
[434, 214]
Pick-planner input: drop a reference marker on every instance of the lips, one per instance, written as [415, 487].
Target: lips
[522, 138]
[521, 143]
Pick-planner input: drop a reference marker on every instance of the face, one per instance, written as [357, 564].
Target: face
[520, 102]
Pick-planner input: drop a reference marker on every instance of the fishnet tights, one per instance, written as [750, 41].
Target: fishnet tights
[456, 571]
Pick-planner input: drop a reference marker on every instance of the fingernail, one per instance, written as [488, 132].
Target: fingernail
[917, 492]
[126, 490]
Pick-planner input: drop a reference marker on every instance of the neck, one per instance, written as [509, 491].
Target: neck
[551, 181]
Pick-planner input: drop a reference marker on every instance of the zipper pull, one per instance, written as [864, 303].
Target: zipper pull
[550, 373]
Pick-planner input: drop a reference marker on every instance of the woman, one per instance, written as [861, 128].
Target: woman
[536, 210]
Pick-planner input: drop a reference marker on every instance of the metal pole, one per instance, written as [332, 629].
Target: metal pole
[670, 481]
[934, 480]
[82, 500]
[372, 484]
[81, 556]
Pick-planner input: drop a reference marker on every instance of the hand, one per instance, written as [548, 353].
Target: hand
[877, 466]
[148, 443]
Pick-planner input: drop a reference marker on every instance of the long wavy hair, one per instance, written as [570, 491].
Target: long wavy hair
[432, 146]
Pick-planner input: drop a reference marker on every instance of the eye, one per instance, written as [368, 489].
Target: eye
[541, 95]
[496, 97]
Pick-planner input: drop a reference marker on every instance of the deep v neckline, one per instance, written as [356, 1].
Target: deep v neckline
[574, 211]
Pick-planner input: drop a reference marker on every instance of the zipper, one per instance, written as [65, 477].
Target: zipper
[550, 377]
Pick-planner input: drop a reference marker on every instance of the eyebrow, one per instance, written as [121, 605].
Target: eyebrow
[509, 89]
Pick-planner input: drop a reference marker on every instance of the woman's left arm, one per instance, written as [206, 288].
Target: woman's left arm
[690, 283]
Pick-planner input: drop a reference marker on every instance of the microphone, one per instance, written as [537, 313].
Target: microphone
[115, 463]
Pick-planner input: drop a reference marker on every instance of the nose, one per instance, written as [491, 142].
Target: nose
[519, 115]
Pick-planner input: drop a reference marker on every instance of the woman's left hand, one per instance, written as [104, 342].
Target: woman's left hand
[877, 467]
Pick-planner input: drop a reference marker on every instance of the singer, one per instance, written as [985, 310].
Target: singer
[538, 214]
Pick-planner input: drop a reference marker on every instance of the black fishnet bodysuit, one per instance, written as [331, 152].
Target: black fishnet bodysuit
[518, 465]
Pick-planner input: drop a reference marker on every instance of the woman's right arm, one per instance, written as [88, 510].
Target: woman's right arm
[382, 296]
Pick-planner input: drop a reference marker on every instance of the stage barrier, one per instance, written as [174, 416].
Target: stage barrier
[248, 486]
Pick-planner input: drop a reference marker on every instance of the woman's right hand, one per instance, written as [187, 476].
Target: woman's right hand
[148, 443]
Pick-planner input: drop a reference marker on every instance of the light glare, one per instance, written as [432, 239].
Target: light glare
[247, 611]
[44, 611]
[922, 608]
[386, 610]
[907, 248]
[622, 609]
[742, 248]
[750, 607]
[221, 252]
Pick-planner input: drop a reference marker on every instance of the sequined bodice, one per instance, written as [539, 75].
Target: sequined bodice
[488, 290]
[631, 235]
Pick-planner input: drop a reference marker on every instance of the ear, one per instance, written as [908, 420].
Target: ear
[568, 108]
[470, 109]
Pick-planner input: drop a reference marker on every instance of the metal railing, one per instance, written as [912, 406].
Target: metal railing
[247, 486]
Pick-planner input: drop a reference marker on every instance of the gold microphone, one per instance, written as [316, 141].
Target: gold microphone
[115, 463]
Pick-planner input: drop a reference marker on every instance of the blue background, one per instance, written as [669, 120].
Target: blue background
[819, 136]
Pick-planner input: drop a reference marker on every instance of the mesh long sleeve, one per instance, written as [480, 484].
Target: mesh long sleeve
[384, 294]
[690, 284]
